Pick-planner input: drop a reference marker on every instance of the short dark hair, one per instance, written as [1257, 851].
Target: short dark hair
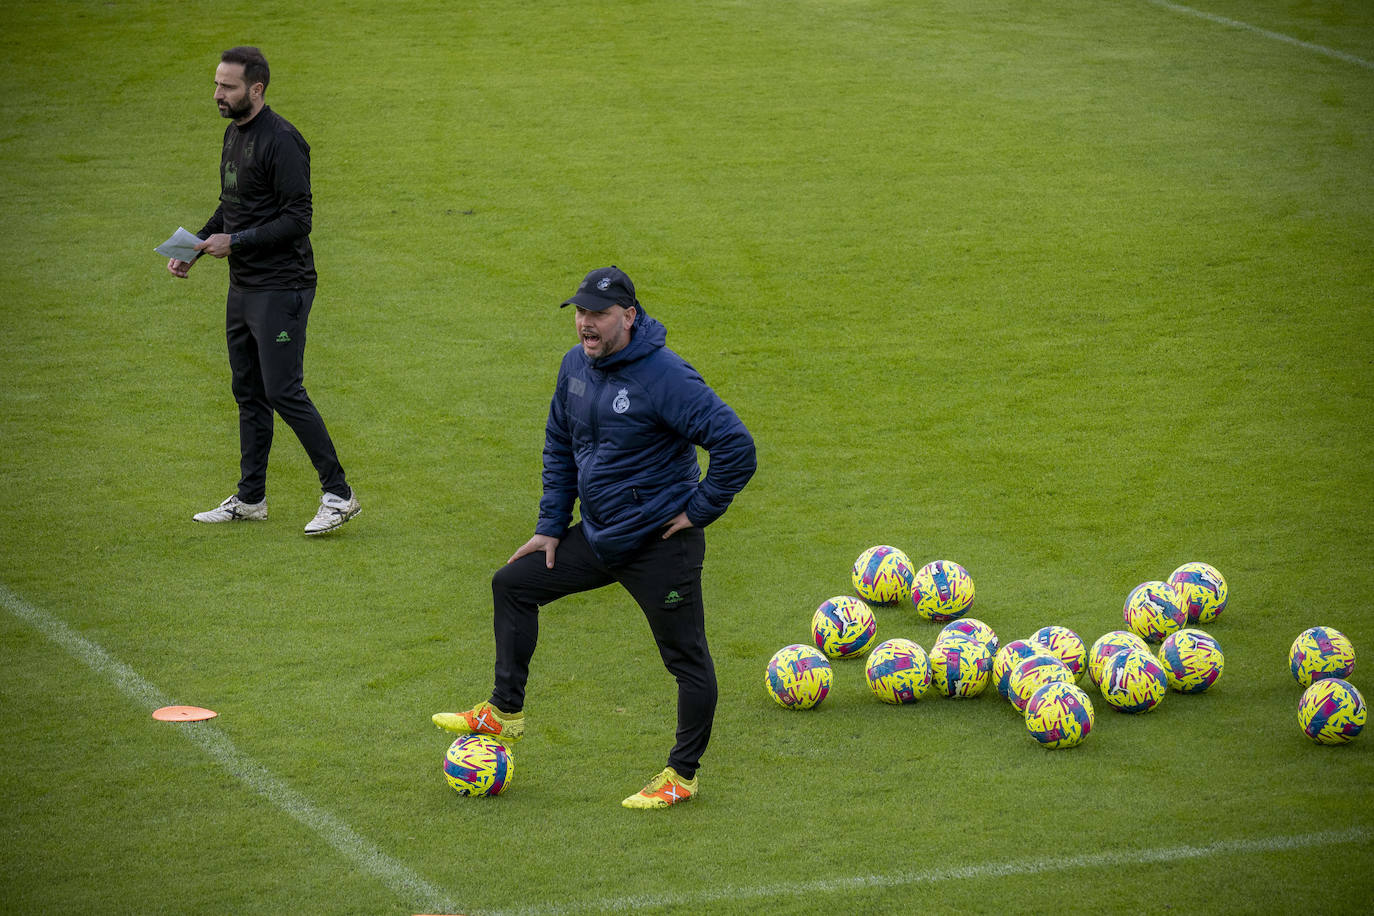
[254, 64]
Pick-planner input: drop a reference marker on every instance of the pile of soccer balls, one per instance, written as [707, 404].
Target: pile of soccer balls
[899, 671]
[1040, 676]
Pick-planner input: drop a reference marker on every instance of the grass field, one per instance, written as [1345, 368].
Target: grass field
[1068, 292]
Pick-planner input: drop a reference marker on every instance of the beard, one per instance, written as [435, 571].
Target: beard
[229, 110]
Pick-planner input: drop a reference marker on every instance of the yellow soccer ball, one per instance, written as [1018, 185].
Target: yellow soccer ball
[1133, 681]
[798, 677]
[1059, 715]
[478, 765]
[882, 575]
[942, 591]
[1202, 590]
[1030, 674]
[1154, 610]
[898, 671]
[1331, 711]
[960, 666]
[843, 627]
[1107, 645]
[1192, 660]
[1063, 644]
[1320, 652]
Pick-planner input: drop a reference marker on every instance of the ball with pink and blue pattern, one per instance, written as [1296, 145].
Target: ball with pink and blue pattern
[1063, 644]
[1107, 645]
[974, 629]
[1007, 658]
[882, 575]
[1201, 589]
[843, 627]
[1154, 610]
[1030, 674]
[1192, 660]
[1319, 653]
[798, 677]
[898, 671]
[1332, 711]
[941, 591]
[1059, 715]
[478, 765]
[960, 667]
[1133, 681]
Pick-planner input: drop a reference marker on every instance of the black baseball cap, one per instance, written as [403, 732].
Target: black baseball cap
[603, 288]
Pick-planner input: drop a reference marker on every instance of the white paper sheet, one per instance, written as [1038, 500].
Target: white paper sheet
[182, 246]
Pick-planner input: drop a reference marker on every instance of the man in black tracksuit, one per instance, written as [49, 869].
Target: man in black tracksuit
[624, 425]
[263, 226]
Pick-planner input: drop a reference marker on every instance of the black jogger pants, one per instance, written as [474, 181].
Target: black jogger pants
[265, 330]
[664, 578]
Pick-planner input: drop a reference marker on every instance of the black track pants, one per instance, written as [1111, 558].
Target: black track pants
[265, 330]
[664, 577]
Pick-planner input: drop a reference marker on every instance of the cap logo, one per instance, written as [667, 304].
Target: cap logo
[603, 284]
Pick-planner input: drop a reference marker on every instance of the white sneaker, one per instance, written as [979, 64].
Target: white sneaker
[333, 513]
[234, 509]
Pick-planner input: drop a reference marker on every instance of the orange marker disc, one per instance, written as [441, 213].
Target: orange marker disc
[183, 714]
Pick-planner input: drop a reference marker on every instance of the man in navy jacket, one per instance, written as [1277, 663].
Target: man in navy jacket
[626, 419]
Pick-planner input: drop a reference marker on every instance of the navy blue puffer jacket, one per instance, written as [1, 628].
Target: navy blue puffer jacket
[621, 438]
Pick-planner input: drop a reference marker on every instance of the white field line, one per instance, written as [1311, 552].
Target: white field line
[1276, 36]
[357, 849]
[1036, 866]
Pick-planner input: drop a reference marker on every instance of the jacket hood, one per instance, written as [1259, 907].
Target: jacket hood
[649, 335]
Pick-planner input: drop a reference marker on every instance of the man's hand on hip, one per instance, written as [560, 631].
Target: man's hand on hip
[676, 525]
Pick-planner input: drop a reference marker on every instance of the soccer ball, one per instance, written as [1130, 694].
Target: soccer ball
[1133, 681]
[1331, 711]
[1059, 715]
[1202, 590]
[1192, 660]
[882, 575]
[798, 677]
[1154, 610]
[1007, 657]
[1320, 652]
[478, 765]
[843, 627]
[941, 591]
[1064, 645]
[960, 667]
[1107, 645]
[898, 671]
[972, 628]
[1030, 674]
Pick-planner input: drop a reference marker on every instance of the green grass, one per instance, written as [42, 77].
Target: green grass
[1069, 293]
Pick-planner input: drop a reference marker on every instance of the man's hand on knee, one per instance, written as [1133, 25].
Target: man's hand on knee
[539, 542]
